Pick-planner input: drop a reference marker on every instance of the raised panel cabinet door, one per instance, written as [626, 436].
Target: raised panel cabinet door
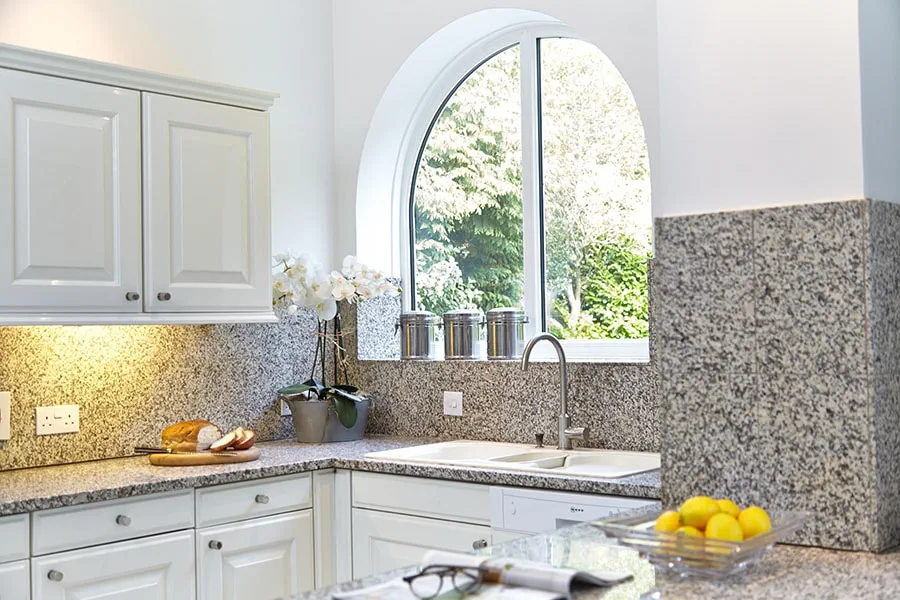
[263, 559]
[386, 541]
[207, 229]
[154, 568]
[14, 581]
[70, 196]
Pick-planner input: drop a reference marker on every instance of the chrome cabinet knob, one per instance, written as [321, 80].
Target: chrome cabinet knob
[262, 499]
[54, 575]
[123, 520]
[132, 296]
[164, 296]
[215, 545]
[479, 544]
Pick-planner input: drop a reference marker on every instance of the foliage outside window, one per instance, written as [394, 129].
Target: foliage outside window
[594, 192]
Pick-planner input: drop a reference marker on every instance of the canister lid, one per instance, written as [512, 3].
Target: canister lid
[506, 314]
[463, 315]
[418, 317]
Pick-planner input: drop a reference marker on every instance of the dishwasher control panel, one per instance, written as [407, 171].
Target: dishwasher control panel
[536, 511]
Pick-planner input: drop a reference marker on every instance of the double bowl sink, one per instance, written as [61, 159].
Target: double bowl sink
[606, 464]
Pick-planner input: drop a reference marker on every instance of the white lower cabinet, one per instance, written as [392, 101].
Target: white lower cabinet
[160, 567]
[263, 559]
[384, 541]
[14, 582]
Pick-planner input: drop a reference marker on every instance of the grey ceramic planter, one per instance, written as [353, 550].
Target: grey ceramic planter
[316, 425]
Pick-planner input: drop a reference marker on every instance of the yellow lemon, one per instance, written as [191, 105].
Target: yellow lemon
[688, 530]
[754, 521]
[668, 521]
[724, 527]
[728, 507]
[696, 511]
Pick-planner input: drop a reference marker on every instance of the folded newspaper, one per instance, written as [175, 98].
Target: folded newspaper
[520, 579]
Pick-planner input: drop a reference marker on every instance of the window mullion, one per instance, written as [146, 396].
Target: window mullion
[532, 227]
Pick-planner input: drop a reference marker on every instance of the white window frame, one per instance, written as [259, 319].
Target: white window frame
[458, 69]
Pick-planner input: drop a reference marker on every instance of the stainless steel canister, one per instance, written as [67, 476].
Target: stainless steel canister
[505, 333]
[418, 335]
[462, 334]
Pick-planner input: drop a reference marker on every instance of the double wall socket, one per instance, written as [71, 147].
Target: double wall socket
[5, 401]
[51, 420]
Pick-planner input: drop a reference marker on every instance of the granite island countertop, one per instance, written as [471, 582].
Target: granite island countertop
[785, 573]
[39, 488]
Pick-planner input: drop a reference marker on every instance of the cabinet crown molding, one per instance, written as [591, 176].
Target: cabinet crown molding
[82, 69]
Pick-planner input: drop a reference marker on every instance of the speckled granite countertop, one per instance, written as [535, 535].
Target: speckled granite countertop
[65, 485]
[787, 572]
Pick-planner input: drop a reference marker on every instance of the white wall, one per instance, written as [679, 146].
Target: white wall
[372, 39]
[879, 23]
[278, 45]
[759, 103]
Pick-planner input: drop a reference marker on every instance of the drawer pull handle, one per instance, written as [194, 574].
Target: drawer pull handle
[164, 296]
[215, 544]
[262, 499]
[54, 575]
[123, 520]
[132, 296]
[479, 544]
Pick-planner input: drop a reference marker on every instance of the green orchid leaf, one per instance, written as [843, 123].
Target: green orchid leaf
[299, 388]
[347, 388]
[345, 406]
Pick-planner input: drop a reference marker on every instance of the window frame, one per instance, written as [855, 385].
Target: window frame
[439, 93]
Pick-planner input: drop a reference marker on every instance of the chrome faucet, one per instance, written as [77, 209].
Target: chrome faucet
[566, 433]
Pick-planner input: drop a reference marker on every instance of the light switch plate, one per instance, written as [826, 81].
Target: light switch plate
[285, 409]
[5, 401]
[453, 404]
[51, 420]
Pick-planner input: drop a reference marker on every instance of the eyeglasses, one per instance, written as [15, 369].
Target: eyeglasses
[427, 583]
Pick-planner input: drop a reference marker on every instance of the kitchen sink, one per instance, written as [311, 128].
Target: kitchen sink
[608, 464]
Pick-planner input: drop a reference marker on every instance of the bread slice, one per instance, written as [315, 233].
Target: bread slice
[223, 443]
[246, 440]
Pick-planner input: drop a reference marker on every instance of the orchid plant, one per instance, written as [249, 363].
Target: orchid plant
[299, 282]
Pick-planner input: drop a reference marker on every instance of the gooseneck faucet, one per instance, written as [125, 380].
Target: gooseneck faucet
[566, 433]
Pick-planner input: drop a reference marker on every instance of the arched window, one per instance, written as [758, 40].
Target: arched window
[532, 189]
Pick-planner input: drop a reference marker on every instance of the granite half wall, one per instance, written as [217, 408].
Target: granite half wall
[132, 381]
[778, 344]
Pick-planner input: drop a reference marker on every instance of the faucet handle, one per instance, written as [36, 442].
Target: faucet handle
[578, 433]
[539, 440]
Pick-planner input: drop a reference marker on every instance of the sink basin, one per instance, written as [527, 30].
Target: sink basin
[608, 464]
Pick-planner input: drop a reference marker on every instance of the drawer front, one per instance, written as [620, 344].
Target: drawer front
[433, 498]
[103, 522]
[13, 537]
[15, 581]
[160, 567]
[239, 501]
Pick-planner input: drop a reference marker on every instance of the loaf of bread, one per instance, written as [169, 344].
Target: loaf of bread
[190, 436]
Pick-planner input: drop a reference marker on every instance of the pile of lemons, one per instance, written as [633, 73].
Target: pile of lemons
[701, 516]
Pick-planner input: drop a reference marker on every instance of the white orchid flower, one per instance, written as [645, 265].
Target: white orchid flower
[292, 309]
[351, 267]
[326, 309]
[343, 290]
[366, 290]
[319, 284]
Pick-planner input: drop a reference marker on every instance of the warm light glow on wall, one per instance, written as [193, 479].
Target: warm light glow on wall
[97, 346]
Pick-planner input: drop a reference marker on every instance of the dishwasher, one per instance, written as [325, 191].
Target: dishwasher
[518, 512]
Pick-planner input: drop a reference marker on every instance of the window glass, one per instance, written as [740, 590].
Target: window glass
[467, 206]
[596, 196]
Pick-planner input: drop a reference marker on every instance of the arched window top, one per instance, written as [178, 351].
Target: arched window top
[528, 184]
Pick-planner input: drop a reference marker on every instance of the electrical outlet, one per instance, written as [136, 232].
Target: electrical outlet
[5, 401]
[51, 420]
[453, 404]
[285, 409]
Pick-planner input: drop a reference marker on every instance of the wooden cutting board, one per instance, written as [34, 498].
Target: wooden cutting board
[190, 459]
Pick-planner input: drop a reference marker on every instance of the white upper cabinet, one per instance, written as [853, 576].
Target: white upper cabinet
[206, 206]
[117, 212]
[70, 189]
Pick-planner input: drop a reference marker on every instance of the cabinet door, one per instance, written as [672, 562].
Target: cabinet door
[14, 581]
[70, 196]
[206, 206]
[387, 541]
[159, 567]
[263, 559]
